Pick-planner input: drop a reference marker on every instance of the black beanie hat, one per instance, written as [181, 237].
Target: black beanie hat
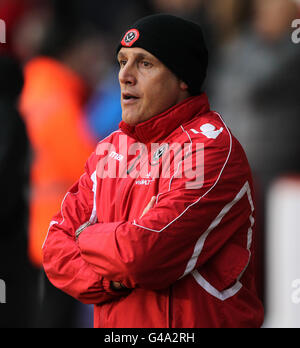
[176, 42]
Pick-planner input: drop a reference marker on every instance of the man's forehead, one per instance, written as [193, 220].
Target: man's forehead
[135, 52]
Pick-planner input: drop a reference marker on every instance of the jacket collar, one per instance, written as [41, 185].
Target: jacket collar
[160, 126]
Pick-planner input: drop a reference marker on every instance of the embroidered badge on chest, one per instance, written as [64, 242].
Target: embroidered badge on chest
[159, 153]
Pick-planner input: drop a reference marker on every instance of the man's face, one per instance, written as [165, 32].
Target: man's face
[148, 87]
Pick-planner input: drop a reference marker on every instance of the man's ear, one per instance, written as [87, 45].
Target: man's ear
[183, 86]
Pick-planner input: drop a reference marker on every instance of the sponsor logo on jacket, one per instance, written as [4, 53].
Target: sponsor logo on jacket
[209, 131]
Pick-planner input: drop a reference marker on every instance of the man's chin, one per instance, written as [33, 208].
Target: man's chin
[134, 118]
[131, 120]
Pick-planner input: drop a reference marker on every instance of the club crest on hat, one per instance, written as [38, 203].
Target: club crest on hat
[130, 37]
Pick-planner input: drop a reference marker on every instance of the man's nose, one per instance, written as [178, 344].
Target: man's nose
[127, 75]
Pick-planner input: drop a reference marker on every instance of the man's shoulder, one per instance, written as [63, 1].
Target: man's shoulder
[111, 137]
[102, 148]
[209, 129]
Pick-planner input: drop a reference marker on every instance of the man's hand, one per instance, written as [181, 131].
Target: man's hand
[117, 286]
[81, 229]
[149, 206]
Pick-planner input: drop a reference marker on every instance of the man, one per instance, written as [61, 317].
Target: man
[158, 231]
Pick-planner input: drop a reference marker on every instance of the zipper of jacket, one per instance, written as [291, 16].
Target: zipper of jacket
[129, 170]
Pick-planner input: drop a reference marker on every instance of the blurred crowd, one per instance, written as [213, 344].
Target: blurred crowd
[59, 95]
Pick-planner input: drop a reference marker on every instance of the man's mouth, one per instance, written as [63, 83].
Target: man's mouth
[129, 98]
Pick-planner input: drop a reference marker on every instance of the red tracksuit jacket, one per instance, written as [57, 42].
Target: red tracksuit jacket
[188, 262]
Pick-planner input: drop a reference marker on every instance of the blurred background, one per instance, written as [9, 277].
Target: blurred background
[59, 96]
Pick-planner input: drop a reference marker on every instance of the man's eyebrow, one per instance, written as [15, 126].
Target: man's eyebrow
[143, 56]
[120, 55]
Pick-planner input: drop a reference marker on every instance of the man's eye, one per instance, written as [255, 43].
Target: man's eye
[122, 62]
[146, 64]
